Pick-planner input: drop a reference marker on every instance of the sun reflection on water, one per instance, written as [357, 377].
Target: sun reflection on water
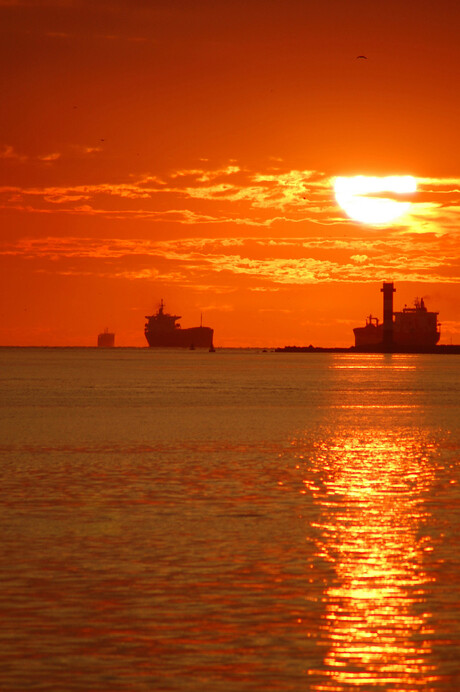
[375, 629]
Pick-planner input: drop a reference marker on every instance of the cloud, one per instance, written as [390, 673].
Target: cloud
[232, 195]
[202, 175]
[89, 149]
[262, 263]
[227, 195]
[48, 158]
[9, 152]
[359, 258]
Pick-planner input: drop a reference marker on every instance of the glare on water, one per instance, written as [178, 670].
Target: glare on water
[237, 520]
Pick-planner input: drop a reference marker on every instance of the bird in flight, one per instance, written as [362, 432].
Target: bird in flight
[364, 57]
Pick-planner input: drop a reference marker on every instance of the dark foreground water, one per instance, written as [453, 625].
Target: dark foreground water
[236, 521]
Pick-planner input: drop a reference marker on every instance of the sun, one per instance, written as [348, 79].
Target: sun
[354, 195]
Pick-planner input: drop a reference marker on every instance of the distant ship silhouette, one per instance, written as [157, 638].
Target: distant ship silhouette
[162, 330]
[106, 339]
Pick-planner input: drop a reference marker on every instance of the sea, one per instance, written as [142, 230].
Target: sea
[237, 521]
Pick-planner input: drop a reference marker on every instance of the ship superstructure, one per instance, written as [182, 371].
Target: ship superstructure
[163, 330]
[413, 327]
[416, 326]
[371, 334]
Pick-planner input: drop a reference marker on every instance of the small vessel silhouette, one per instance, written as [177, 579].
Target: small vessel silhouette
[106, 339]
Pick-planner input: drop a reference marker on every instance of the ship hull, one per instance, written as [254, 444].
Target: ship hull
[402, 337]
[106, 340]
[195, 337]
[370, 335]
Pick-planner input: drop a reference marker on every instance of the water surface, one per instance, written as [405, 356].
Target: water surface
[177, 520]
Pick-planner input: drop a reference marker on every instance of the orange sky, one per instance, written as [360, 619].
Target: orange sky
[186, 150]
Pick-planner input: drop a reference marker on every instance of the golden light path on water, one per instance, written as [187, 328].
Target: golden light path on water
[354, 196]
[370, 483]
[240, 523]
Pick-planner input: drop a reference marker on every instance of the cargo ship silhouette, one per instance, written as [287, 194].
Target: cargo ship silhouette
[411, 330]
[162, 330]
[106, 339]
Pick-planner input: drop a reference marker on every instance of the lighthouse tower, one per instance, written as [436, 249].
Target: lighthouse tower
[387, 291]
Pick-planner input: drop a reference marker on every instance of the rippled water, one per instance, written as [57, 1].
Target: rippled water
[233, 521]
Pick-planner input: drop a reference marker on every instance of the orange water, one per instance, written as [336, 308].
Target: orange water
[176, 520]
